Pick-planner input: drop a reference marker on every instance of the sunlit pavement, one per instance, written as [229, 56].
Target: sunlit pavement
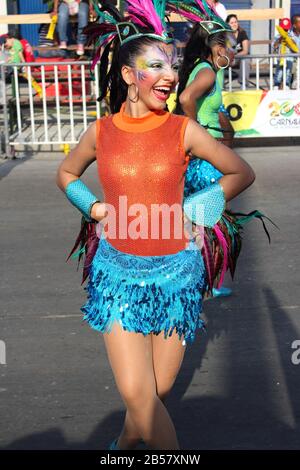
[238, 387]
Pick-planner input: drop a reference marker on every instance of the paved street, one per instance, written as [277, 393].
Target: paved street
[238, 387]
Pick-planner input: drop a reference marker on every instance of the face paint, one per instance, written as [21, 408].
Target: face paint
[156, 73]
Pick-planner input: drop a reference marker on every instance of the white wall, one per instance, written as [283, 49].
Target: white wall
[3, 11]
[286, 4]
[260, 29]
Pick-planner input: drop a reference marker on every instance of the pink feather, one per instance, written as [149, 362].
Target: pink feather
[138, 20]
[201, 5]
[208, 260]
[100, 49]
[210, 6]
[145, 9]
[224, 246]
[187, 14]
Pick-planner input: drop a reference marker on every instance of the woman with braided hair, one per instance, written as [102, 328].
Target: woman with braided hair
[146, 271]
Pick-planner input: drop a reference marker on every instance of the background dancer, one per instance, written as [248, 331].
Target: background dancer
[208, 52]
[141, 290]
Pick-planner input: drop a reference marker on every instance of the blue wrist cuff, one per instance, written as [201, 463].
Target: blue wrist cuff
[206, 207]
[81, 197]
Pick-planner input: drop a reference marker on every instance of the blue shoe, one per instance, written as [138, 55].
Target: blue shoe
[113, 445]
[221, 292]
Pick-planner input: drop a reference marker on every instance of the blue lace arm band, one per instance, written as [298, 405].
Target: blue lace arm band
[81, 197]
[206, 207]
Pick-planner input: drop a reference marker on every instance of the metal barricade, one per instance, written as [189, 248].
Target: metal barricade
[48, 103]
[52, 103]
[261, 73]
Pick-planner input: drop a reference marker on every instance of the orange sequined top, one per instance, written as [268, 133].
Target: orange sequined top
[141, 165]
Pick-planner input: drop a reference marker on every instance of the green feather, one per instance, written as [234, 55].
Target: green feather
[104, 15]
[193, 7]
[160, 8]
[78, 253]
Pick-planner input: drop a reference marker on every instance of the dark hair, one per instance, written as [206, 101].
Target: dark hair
[112, 79]
[296, 15]
[229, 17]
[18, 36]
[198, 49]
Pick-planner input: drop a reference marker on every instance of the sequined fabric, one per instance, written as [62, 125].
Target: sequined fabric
[146, 293]
[144, 160]
[146, 285]
[199, 175]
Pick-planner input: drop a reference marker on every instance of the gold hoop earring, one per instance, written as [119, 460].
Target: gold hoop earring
[224, 66]
[136, 98]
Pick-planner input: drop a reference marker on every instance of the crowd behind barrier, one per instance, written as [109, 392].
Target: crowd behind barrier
[52, 103]
[50, 99]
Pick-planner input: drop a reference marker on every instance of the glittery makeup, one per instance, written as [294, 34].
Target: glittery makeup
[157, 60]
[156, 72]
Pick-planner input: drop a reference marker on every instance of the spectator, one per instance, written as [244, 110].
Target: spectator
[45, 43]
[14, 48]
[280, 46]
[65, 8]
[3, 52]
[219, 7]
[4, 57]
[27, 49]
[295, 34]
[241, 47]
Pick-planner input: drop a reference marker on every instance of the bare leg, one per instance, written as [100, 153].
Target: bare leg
[131, 359]
[167, 357]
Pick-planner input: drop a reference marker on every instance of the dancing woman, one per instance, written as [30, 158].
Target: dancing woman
[145, 278]
[207, 53]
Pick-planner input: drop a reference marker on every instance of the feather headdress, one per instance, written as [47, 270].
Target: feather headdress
[142, 18]
[199, 11]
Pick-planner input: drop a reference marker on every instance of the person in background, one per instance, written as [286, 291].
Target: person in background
[241, 48]
[199, 96]
[44, 42]
[14, 48]
[295, 35]
[65, 8]
[280, 46]
[3, 53]
[27, 49]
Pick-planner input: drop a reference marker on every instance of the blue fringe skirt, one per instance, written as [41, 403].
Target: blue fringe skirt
[146, 294]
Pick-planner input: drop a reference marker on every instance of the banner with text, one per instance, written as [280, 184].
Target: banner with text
[261, 113]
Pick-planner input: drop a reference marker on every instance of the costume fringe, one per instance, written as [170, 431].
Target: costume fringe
[220, 248]
[142, 309]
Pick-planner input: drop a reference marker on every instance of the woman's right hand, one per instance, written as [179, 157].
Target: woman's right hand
[98, 211]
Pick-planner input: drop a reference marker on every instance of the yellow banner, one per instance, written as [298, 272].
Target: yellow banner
[255, 113]
[242, 107]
